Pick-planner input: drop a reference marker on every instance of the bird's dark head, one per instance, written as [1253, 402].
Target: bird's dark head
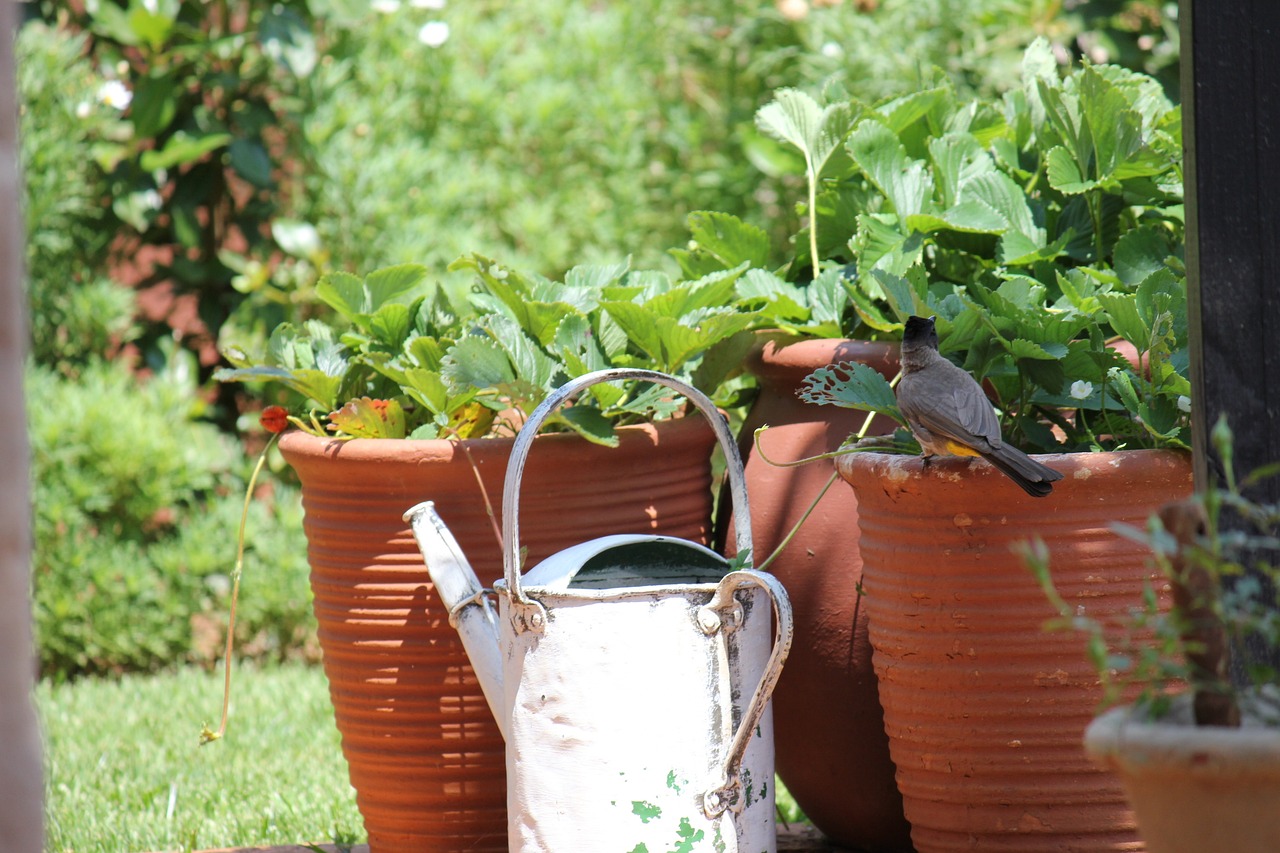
[919, 333]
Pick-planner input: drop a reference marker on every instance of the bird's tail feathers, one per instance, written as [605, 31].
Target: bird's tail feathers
[1034, 478]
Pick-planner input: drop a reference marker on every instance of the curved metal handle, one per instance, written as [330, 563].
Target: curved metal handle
[728, 794]
[520, 452]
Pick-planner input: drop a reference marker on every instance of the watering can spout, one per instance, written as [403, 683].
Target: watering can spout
[470, 610]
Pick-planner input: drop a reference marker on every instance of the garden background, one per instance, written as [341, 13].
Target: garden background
[193, 166]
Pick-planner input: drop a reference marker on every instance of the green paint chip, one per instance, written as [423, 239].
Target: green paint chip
[645, 811]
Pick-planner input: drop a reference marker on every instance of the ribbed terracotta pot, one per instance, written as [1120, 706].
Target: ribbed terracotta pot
[425, 756]
[829, 737]
[1194, 789]
[984, 709]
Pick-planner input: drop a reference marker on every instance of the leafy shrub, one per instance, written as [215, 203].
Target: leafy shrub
[75, 311]
[1035, 228]
[195, 171]
[134, 503]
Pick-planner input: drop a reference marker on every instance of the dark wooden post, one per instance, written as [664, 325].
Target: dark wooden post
[1231, 130]
[21, 786]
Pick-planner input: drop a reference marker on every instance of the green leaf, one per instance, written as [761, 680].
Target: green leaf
[390, 326]
[851, 385]
[392, 284]
[152, 23]
[366, 418]
[343, 292]
[477, 361]
[588, 422]
[1122, 313]
[310, 383]
[1064, 174]
[250, 160]
[728, 239]
[1139, 253]
[795, 117]
[973, 217]
[154, 104]
[182, 148]
[903, 181]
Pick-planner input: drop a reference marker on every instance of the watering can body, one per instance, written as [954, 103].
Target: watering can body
[630, 676]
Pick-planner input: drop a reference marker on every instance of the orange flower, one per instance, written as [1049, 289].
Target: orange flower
[274, 419]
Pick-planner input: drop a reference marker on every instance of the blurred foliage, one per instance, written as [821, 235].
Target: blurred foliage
[76, 312]
[206, 94]
[134, 505]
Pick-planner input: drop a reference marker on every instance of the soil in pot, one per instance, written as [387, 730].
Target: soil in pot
[985, 709]
[425, 756]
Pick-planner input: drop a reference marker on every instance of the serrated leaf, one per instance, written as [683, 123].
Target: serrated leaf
[477, 361]
[390, 326]
[795, 117]
[1122, 313]
[1021, 348]
[589, 423]
[728, 239]
[391, 284]
[957, 160]
[343, 292]
[851, 385]
[880, 155]
[972, 217]
[1139, 253]
[366, 418]
[1064, 174]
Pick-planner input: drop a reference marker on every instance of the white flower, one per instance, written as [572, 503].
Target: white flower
[113, 93]
[831, 50]
[427, 4]
[386, 7]
[83, 109]
[1081, 390]
[1184, 403]
[434, 33]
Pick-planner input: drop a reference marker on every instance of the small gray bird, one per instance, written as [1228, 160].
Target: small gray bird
[949, 414]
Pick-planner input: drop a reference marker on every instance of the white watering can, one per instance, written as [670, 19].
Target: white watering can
[630, 675]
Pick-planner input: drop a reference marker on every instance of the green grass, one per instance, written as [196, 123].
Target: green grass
[124, 773]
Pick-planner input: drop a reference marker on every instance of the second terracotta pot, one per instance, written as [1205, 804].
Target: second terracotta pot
[425, 756]
[829, 738]
[984, 709]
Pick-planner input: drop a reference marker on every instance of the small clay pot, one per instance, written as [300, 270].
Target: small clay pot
[1194, 788]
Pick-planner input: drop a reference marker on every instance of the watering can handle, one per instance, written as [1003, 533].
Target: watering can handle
[728, 794]
[520, 452]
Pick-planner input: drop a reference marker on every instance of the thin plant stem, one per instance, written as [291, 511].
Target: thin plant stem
[796, 529]
[484, 494]
[207, 736]
[858, 436]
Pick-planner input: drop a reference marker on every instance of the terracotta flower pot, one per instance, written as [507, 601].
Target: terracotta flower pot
[1194, 789]
[829, 739]
[425, 756]
[985, 709]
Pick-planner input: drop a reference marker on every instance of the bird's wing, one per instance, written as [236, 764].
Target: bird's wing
[947, 402]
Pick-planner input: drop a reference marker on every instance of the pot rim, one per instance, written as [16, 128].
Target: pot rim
[900, 466]
[301, 443]
[1123, 738]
